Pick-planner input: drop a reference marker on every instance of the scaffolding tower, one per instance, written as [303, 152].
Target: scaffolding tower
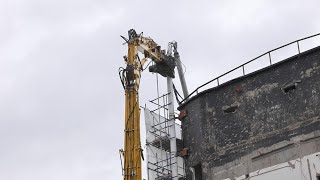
[158, 136]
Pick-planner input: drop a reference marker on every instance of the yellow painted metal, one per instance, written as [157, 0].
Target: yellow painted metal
[132, 152]
[132, 145]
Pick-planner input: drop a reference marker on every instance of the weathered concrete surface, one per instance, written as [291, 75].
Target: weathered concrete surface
[295, 148]
[230, 123]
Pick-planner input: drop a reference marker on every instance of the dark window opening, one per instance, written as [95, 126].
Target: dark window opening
[198, 171]
[289, 88]
[230, 109]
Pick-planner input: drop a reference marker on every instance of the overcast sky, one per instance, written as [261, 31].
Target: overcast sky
[61, 101]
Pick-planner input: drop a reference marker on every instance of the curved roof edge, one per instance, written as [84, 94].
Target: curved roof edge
[181, 106]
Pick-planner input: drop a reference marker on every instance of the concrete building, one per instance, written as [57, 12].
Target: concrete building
[249, 125]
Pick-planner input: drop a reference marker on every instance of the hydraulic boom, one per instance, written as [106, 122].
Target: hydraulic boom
[130, 78]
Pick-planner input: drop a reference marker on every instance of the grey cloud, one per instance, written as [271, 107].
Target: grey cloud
[61, 101]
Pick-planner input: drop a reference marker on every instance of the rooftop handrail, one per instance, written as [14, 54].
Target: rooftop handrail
[242, 65]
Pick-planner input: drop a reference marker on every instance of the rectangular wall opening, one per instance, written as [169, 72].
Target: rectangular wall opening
[198, 171]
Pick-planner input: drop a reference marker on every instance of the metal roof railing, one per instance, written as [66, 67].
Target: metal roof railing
[242, 66]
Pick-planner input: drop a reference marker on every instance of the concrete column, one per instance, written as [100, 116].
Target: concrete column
[172, 130]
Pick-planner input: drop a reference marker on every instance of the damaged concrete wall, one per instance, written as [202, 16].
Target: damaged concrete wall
[229, 124]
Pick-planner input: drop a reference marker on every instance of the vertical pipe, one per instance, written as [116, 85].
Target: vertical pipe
[148, 169]
[309, 170]
[157, 165]
[172, 130]
[270, 58]
[193, 173]
[298, 47]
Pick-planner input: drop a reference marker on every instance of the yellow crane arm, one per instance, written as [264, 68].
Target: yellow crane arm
[149, 48]
[130, 78]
